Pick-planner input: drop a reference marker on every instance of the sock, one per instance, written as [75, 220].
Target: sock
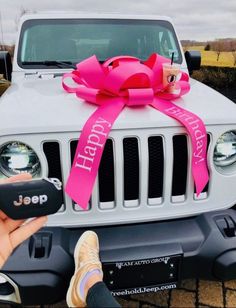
[85, 279]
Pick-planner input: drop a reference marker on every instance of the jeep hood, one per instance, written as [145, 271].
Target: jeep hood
[38, 105]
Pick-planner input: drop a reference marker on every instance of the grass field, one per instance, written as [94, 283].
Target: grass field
[226, 59]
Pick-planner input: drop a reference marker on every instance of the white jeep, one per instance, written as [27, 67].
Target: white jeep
[153, 229]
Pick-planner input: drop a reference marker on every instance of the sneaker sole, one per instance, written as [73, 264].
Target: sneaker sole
[76, 258]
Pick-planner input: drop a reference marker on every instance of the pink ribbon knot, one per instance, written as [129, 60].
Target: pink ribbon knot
[119, 82]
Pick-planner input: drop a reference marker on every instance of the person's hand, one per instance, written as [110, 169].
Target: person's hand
[12, 232]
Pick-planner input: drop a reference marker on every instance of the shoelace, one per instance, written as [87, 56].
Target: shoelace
[93, 257]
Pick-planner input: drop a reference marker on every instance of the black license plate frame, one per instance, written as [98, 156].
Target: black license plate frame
[143, 275]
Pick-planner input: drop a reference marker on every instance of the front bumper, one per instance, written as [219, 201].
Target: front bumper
[39, 270]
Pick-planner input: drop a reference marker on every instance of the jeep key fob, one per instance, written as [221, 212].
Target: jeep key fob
[21, 200]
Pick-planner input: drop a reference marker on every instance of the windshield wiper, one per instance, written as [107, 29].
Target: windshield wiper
[60, 64]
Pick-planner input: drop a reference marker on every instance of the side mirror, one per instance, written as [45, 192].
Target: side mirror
[5, 65]
[193, 59]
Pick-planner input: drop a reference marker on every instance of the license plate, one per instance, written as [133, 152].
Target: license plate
[142, 275]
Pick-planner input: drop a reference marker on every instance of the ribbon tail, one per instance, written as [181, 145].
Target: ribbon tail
[202, 173]
[198, 134]
[89, 151]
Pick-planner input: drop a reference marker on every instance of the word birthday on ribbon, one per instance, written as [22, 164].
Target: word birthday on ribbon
[198, 133]
[126, 81]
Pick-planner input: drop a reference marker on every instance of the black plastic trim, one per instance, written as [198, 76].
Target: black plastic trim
[198, 239]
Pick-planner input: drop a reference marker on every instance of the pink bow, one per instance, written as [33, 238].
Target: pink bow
[119, 82]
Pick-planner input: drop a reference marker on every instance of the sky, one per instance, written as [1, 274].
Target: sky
[194, 20]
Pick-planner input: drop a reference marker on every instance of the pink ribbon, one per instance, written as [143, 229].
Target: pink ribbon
[119, 82]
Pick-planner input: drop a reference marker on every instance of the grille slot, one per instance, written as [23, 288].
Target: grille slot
[131, 171]
[106, 174]
[156, 167]
[180, 167]
[52, 153]
[73, 146]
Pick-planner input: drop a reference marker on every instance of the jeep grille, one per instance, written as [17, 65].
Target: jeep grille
[136, 176]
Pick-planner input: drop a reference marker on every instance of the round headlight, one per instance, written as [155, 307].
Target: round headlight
[225, 149]
[16, 158]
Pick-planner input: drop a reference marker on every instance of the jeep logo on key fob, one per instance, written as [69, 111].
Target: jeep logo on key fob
[27, 200]
[21, 200]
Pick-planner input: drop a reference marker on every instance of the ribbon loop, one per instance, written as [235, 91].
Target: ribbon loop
[128, 75]
[127, 82]
[92, 72]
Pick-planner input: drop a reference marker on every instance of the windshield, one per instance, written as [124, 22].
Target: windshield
[73, 40]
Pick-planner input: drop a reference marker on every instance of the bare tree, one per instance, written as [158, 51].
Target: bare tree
[233, 50]
[218, 46]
